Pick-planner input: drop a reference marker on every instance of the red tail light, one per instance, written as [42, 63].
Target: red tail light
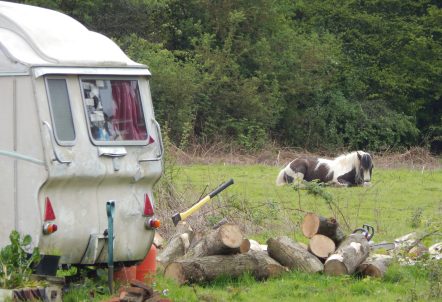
[49, 228]
[49, 211]
[148, 207]
[151, 140]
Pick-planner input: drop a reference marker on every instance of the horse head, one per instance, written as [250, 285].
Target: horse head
[365, 167]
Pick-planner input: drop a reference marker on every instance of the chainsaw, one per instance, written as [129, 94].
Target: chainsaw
[368, 232]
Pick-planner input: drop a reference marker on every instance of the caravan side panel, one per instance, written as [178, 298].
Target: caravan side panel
[30, 176]
[7, 164]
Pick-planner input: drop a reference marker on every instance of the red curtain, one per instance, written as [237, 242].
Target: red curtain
[128, 116]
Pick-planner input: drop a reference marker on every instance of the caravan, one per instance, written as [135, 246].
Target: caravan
[77, 130]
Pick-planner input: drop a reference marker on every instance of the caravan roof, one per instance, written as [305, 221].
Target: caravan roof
[35, 36]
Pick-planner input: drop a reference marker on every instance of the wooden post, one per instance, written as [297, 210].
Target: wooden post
[293, 255]
[350, 253]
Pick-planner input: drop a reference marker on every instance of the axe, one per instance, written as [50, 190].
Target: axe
[181, 216]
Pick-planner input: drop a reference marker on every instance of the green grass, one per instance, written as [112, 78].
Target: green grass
[399, 284]
[397, 203]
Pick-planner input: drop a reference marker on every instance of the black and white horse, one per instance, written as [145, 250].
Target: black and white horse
[346, 170]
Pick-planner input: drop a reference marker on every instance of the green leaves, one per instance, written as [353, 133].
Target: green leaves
[16, 260]
[314, 74]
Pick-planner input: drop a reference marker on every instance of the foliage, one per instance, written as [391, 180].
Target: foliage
[318, 74]
[16, 261]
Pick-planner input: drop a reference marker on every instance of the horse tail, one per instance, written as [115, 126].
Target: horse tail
[281, 180]
[285, 176]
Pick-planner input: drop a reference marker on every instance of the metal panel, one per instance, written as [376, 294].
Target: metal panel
[30, 176]
[40, 71]
[7, 174]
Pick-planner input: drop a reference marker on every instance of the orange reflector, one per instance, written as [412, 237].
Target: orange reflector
[154, 223]
[49, 211]
[148, 207]
[49, 228]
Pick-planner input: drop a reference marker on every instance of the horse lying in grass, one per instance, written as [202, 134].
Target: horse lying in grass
[350, 169]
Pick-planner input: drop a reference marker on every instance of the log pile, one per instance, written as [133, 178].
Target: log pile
[224, 251]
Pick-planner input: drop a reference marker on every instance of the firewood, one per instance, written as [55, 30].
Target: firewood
[321, 246]
[158, 240]
[244, 247]
[375, 265]
[208, 268]
[350, 253]
[224, 240]
[314, 224]
[178, 244]
[407, 242]
[293, 255]
[255, 246]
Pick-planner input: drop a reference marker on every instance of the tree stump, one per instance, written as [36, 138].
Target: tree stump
[224, 240]
[208, 268]
[314, 224]
[350, 253]
[178, 244]
[375, 265]
[293, 255]
[321, 246]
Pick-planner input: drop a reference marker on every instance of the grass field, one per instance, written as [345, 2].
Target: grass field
[397, 203]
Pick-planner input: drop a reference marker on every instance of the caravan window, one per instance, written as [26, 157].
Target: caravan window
[114, 111]
[61, 111]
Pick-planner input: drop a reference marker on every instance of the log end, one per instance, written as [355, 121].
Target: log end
[310, 225]
[231, 235]
[334, 267]
[321, 246]
[175, 272]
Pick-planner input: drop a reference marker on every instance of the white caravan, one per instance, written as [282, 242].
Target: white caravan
[77, 129]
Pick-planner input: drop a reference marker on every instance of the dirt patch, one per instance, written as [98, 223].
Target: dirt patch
[414, 158]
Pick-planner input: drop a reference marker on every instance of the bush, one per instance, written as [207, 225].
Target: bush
[15, 262]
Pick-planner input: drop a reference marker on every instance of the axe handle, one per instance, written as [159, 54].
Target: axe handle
[203, 201]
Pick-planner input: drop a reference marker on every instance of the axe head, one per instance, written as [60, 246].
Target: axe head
[176, 218]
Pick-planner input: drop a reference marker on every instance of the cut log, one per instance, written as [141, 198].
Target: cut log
[292, 255]
[208, 268]
[349, 255]
[243, 248]
[411, 243]
[158, 240]
[225, 240]
[375, 265]
[255, 246]
[314, 224]
[178, 244]
[321, 246]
